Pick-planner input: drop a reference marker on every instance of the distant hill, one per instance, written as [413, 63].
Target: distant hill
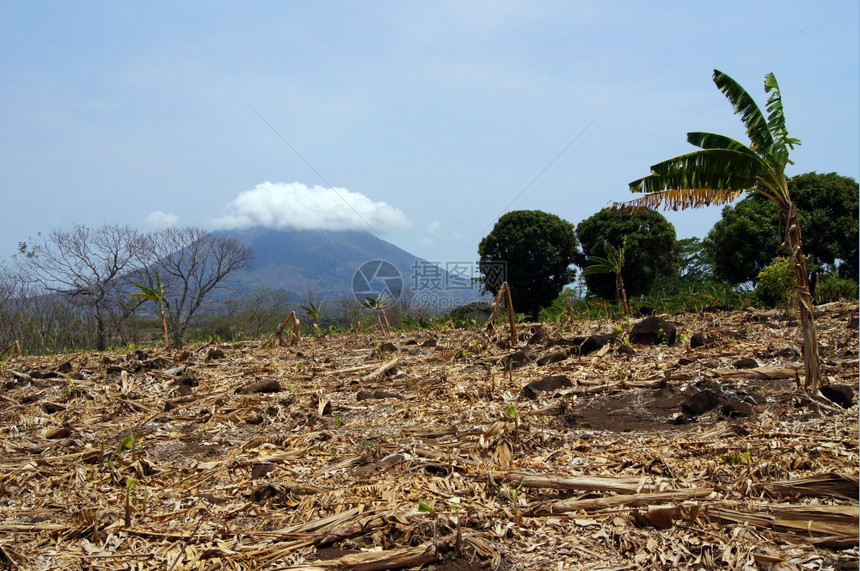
[327, 262]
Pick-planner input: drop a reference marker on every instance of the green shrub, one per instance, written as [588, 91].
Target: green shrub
[776, 283]
[831, 287]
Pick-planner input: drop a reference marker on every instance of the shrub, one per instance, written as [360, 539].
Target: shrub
[776, 283]
[831, 287]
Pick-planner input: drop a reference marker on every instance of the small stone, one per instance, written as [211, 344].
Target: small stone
[552, 358]
[534, 388]
[215, 354]
[271, 386]
[745, 363]
[700, 403]
[515, 360]
[843, 395]
[735, 409]
[653, 331]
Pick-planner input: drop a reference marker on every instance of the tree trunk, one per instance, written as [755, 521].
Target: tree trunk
[804, 298]
[101, 332]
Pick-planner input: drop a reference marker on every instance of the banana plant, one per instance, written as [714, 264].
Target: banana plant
[613, 263]
[156, 295]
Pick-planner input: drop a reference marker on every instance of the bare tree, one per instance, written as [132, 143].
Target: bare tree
[84, 265]
[192, 263]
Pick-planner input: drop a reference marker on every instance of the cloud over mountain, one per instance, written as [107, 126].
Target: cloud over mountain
[280, 206]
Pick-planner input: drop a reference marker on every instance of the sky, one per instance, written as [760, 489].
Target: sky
[421, 122]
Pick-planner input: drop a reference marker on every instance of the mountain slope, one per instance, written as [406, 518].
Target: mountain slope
[326, 262]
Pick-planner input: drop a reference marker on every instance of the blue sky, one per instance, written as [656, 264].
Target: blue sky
[430, 119]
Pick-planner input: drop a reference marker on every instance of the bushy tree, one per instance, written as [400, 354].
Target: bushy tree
[536, 250]
[648, 240]
[750, 234]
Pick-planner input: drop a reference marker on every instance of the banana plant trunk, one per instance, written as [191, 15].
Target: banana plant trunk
[807, 309]
[164, 324]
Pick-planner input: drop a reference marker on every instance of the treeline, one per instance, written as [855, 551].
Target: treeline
[71, 289]
[634, 254]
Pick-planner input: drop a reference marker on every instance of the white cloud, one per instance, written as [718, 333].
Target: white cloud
[293, 205]
[158, 220]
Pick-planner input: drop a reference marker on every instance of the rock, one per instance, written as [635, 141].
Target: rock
[263, 493]
[429, 343]
[591, 343]
[625, 349]
[260, 470]
[843, 395]
[853, 322]
[735, 409]
[215, 354]
[378, 394]
[653, 331]
[745, 363]
[271, 386]
[515, 360]
[534, 388]
[552, 358]
[701, 402]
[698, 340]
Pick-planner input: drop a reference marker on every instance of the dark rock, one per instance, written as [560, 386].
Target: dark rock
[64, 367]
[534, 388]
[156, 363]
[701, 402]
[260, 470]
[263, 493]
[591, 343]
[552, 358]
[625, 349]
[429, 343]
[515, 360]
[735, 409]
[698, 340]
[378, 394]
[853, 322]
[843, 395]
[745, 363]
[215, 354]
[271, 386]
[653, 331]
[788, 353]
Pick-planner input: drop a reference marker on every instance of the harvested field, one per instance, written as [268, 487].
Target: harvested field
[421, 450]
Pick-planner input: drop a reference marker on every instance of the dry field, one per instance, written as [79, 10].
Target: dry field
[422, 451]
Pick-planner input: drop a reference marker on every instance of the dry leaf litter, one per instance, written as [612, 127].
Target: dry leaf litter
[421, 450]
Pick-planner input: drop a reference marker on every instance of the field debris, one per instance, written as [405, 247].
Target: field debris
[327, 453]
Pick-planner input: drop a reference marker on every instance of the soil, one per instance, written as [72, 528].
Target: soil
[421, 450]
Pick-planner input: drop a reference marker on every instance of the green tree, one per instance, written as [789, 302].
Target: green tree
[649, 246]
[537, 250]
[748, 237]
[723, 168]
[745, 240]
